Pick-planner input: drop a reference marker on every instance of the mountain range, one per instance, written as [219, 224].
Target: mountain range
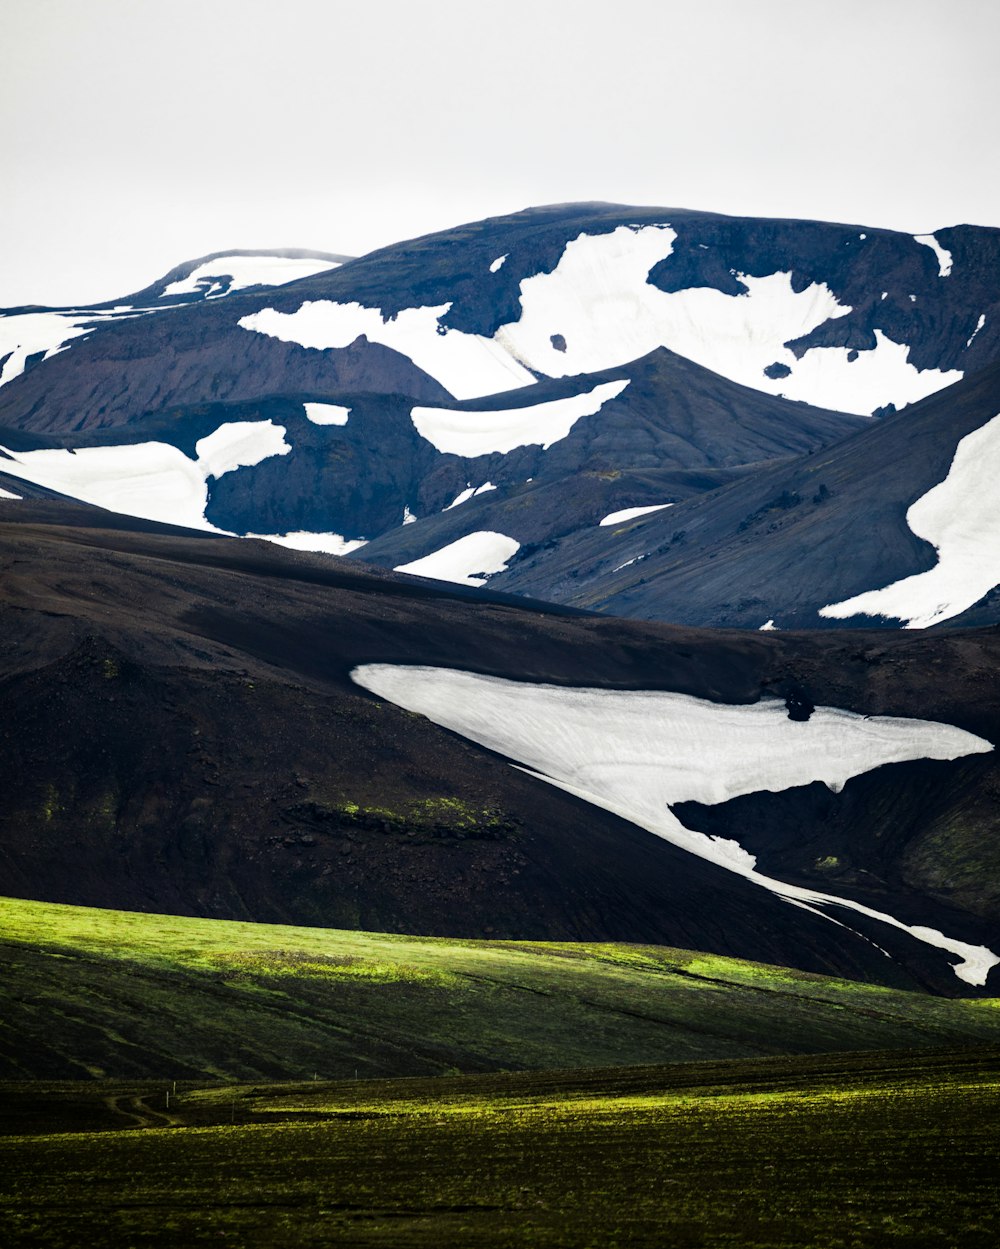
[629, 575]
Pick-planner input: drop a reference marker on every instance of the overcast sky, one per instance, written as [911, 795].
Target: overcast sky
[139, 133]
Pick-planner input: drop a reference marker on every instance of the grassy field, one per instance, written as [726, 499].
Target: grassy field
[842, 1150]
[108, 994]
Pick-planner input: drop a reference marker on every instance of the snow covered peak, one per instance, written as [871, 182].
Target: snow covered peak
[223, 274]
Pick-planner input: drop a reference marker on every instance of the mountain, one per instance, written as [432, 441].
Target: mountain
[893, 525]
[500, 401]
[829, 802]
[32, 334]
[662, 427]
[840, 317]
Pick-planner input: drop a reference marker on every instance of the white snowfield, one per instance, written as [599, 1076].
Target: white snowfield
[326, 413]
[7, 494]
[979, 325]
[630, 513]
[303, 540]
[483, 552]
[598, 304]
[151, 480]
[225, 274]
[481, 433]
[960, 517]
[467, 365]
[24, 334]
[497, 264]
[943, 255]
[638, 753]
[240, 444]
[468, 493]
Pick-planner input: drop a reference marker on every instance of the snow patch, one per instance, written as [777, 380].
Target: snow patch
[226, 274]
[468, 493]
[151, 480]
[240, 444]
[467, 365]
[943, 255]
[326, 413]
[7, 494]
[630, 513]
[481, 433]
[767, 627]
[484, 552]
[979, 325]
[828, 377]
[497, 264]
[961, 520]
[408, 517]
[26, 334]
[638, 753]
[301, 540]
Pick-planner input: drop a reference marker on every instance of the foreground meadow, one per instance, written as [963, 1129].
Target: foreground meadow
[840, 1150]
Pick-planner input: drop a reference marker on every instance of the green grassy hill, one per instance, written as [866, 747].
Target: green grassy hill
[87, 993]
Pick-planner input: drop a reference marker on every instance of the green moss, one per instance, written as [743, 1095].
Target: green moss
[51, 806]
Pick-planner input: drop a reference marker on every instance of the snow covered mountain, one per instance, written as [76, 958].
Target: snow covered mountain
[33, 334]
[474, 404]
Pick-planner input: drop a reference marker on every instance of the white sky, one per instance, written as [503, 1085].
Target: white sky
[140, 133]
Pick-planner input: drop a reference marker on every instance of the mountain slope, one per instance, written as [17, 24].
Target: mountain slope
[268, 785]
[358, 467]
[791, 540]
[28, 336]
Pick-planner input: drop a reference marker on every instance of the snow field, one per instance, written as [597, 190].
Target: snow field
[7, 494]
[481, 433]
[959, 517]
[468, 493]
[630, 513]
[600, 306]
[151, 480]
[302, 540]
[979, 325]
[483, 552]
[240, 444]
[636, 753]
[246, 271]
[326, 413]
[943, 255]
[467, 365]
[25, 334]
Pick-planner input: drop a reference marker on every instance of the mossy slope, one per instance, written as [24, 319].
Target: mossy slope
[93, 993]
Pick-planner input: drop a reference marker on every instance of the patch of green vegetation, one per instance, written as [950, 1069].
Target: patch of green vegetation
[846, 1150]
[51, 806]
[261, 964]
[110, 670]
[426, 817]
[828, 863]
[91, 992]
